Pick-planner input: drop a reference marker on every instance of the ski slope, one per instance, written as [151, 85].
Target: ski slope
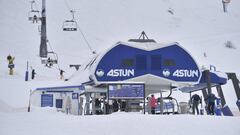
[199, 26]
[48, 122]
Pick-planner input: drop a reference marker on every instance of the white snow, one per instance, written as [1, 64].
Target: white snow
[47, 122]
[199, 26]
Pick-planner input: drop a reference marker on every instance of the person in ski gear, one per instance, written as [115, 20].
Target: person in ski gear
[33, 73]
[49, 62]
[149, 105]
[115, 106]
[68, 105]
[211, 103]
[61, 74]
[195, 100]
[123, 105]
[35, 19]
[98, 106]
[153, 102]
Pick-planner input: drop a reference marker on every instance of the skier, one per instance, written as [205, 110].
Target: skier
[68, 105]
[211, 103]
[195, 100]
[49, 62]
[98, 106]
[153, 102]
[123, 105]
[149, 105]
[33, 73]
[115, 106]
[61, 74]
[35, 19]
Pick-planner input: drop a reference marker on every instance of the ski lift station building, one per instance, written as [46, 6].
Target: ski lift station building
[61, 97]
[160, 67]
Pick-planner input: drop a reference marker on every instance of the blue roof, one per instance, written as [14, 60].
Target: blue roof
[215, 80]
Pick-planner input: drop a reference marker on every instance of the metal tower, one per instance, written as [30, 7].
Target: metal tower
[43, 45]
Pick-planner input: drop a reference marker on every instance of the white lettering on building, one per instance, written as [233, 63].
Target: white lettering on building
[185, 73]
[121, 72]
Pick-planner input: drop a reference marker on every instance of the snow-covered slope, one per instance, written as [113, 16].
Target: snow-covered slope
[47, 122]
[199, 26]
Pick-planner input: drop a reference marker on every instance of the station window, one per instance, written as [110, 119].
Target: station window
[127, 62]
[155, 62]
[169, 62]
[141, 62]
[59, 103]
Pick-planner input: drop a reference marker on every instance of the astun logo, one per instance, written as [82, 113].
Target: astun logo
[166, 73]
[99, 72]
[185, 73]
[121, 73]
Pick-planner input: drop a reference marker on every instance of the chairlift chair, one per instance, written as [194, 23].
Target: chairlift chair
[69, 25]
[50, 60]
[34, 14]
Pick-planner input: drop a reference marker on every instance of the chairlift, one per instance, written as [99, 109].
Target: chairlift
[33, 14]
[50, 60]
[70, 25]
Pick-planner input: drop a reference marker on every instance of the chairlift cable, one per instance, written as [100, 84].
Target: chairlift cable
[85, 39]
[35, 5]
[67, 5]
[83, 35]
[32, 2]
[34, 10]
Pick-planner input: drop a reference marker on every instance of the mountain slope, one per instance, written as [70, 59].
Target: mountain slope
[199, 26]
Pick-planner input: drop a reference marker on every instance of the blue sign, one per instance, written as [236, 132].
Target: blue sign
[124, 91]
[124, 62]
[74, 95]
[47, 100]
[59, 103]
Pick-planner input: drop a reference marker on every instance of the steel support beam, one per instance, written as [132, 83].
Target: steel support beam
[220, 94]
[208, 80]
[43, 45]
[235, 82]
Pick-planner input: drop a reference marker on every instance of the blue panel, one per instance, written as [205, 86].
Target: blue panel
[46, 100]
[75, 95]
[214, 79]
[168, 105]
[155, 62]
[226, 111]
[141, 62]
[183, 69]
[59, 103]
[126, 91]
[238, 104]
